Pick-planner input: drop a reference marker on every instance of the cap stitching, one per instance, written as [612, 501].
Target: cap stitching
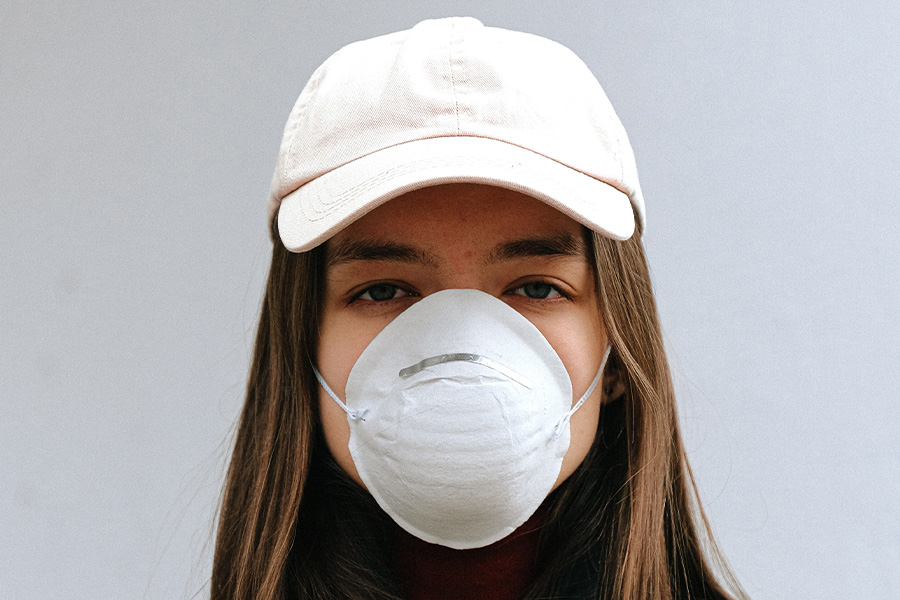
[452, 75]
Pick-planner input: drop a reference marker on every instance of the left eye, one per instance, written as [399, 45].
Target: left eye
[382, 293]
[537, 290]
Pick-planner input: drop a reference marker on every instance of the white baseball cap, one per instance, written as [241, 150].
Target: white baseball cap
[452, 101]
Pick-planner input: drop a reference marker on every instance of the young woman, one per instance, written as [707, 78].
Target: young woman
[459, 388]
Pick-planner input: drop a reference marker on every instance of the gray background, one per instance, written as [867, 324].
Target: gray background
[137, 141]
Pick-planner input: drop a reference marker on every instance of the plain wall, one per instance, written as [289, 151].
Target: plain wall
[137, 141]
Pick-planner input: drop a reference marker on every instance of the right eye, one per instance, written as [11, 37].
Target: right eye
[382, 292]
[538, 290]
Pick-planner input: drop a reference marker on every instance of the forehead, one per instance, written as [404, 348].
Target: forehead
[467, 217]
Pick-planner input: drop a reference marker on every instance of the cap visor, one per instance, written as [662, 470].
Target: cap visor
[319, 209]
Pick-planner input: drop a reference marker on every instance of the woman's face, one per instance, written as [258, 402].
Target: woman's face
[501, 242]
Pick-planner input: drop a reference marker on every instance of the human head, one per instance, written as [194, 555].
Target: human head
[452, 103]
[463, 112]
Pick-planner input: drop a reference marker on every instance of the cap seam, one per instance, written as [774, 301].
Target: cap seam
[452, 73]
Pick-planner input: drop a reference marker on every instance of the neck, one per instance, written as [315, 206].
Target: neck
[501, 571]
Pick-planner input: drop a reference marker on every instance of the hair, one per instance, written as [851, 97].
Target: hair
[628, 520]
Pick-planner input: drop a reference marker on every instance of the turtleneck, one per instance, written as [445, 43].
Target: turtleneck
[501, 571]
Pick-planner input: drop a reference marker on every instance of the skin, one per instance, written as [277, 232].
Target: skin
[459, 236]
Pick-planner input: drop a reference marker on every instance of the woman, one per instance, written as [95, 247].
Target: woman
[459, 387]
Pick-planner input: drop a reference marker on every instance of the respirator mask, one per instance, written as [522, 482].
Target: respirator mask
[459, 418]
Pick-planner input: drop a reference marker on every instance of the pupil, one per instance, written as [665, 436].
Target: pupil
[382, 292]
[538, 289]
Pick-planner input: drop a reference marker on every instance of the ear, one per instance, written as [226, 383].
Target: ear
[613, 385]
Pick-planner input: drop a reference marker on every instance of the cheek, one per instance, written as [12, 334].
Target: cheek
[337, 435]
[583, 429]
[580, 342]
[339, 348]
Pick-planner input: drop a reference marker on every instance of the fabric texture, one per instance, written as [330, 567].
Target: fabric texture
[502, 571]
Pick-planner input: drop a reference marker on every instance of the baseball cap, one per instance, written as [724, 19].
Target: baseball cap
[452, 101]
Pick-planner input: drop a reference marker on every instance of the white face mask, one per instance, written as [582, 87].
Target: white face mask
[459, 418]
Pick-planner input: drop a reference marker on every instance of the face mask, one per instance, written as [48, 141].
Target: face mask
[459, 418]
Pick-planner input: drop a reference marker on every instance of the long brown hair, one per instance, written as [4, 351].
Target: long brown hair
[292, 525]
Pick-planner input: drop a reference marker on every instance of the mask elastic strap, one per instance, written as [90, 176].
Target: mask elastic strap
[353, 415]
[557, 431]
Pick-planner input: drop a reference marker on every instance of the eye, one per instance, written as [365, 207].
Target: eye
[382, 292]
[538, 290]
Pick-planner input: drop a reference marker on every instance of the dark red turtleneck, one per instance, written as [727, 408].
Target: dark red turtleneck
[502, 571]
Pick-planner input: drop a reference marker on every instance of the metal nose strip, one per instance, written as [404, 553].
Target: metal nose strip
[463, 357]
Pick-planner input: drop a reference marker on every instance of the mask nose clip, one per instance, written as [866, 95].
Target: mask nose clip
[466, 357]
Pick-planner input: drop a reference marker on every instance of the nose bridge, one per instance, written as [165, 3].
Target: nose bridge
[464, 270]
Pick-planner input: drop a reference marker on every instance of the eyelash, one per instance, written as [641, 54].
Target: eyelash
[359, 295]
[513, 291]
[553, 288]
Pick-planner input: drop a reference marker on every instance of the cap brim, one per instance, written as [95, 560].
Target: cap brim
[322, 207]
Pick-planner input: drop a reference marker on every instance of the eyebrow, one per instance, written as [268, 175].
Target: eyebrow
[559, 244]
[374, 250]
